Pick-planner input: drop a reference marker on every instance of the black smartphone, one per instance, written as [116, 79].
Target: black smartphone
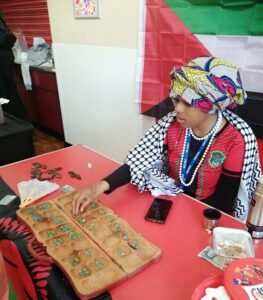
[158, 210]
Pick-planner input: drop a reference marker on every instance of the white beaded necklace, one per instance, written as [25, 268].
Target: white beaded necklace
[212, 130]
[211, 134]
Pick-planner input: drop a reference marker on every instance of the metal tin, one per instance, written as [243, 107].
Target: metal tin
[255, 231]
[255, 216]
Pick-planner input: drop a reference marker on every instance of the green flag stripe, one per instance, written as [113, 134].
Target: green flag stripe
[220, 17]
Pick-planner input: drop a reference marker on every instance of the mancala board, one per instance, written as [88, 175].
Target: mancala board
[95, 249]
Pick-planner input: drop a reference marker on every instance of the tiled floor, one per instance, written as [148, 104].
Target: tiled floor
[44, 143]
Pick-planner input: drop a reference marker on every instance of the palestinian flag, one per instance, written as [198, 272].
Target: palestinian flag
[172, 32]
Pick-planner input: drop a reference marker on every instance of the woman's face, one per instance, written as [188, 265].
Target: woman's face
[188, 116]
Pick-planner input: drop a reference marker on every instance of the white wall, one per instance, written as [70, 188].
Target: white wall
[95, 61]
[96, 86]
[117, 25]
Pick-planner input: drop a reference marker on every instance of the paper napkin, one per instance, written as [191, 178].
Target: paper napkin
[33, 190]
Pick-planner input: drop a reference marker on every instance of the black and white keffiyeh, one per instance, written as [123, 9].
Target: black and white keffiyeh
[148, 163]
[251, 168]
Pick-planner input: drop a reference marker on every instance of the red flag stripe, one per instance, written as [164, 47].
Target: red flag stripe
[167, 43]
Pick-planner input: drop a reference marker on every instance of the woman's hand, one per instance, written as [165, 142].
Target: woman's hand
[83, 197]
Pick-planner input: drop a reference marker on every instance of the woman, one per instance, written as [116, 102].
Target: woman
[201, 148]
[8, 87]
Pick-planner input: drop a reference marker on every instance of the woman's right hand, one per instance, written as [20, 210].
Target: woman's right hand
[84, 196]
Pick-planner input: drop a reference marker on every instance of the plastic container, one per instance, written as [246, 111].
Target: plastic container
[235, 279]
[232, 243]
[212, 282]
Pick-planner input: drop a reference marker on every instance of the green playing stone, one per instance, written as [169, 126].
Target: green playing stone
[121, 253]
[134, 245]
[74, 235]
[45, 206]
[58, 220]
[74, 261]
[30, 211]
[58, 241]
[124, 235]
[51, 233]
[99, 264]
[87, 252]
[37, 217]
[117, 228]
[102, 211]
[65, 228]
[93, 204]
[91, 226]
[110, 219]
[82, 221]
[85, 272]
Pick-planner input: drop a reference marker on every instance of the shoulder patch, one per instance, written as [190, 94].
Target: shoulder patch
[216, 158]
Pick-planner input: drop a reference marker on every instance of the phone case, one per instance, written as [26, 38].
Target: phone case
[158, 210]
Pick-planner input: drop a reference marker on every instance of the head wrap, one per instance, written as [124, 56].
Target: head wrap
[208, 83]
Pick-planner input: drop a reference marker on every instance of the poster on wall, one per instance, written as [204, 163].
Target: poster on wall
[86, 9]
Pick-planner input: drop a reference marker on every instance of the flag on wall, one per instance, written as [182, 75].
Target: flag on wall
[172, 32]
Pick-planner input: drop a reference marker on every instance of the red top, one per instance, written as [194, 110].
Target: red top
[230, 146]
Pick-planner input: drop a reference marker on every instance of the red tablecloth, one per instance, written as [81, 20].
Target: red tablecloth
[181, 238]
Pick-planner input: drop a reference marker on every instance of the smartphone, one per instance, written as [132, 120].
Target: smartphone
[158, 210]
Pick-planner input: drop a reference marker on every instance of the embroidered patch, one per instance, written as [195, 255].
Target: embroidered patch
[216, 159]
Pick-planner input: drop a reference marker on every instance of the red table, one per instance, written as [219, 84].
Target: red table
[179, 270]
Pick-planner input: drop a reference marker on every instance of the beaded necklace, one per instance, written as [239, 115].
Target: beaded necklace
[206, 144]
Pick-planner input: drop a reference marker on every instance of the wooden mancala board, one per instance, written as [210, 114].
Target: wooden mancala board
[95, 249]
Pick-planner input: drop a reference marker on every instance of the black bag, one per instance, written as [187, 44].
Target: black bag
[7, 39]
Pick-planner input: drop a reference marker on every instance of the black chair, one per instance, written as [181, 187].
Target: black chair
[16, 140]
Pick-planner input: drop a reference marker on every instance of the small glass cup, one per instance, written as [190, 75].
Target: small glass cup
[211, 217]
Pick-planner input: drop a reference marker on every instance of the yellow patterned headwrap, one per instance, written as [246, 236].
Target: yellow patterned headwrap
[208, 83]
